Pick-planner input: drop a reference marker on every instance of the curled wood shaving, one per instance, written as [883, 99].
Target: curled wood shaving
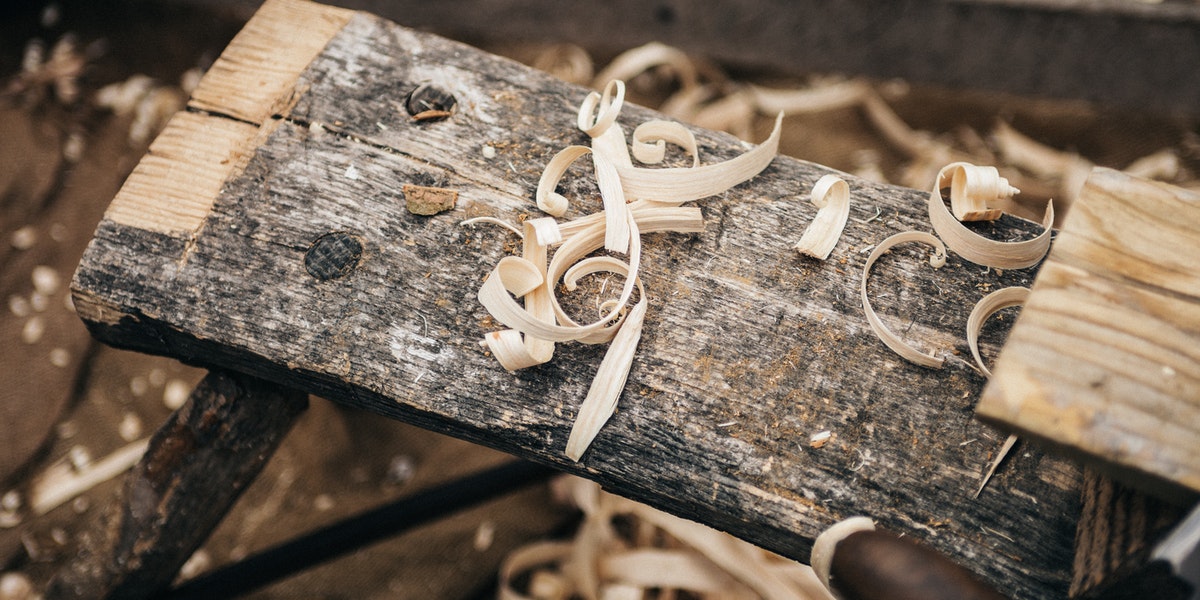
[519, 291]
[568, 62]
[616, 236]
[669, 555]
[892, 340]
[831, 196]
[972, 187]
[636, 61]
[972, 246]
[601, 400]
[830, 96]
[677, 185]
[984, 309]
[650, 141]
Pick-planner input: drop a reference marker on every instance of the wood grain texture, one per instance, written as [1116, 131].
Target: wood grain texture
[749, 348]
[1105, 358]
[198, 463]
[173, 187]
[255, 76]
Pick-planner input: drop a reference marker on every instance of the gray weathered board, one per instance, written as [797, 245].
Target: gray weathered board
[749, 348]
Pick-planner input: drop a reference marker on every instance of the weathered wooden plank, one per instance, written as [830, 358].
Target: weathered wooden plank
[1134, 55]
[748, 350]
[196, 466]
[1105, 358]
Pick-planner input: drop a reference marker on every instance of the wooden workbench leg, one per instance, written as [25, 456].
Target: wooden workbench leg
[1118, 528]
[196, 466]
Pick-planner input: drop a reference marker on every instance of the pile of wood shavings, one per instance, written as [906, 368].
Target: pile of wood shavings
[624, 549]
[879, 145]
[599, 562]
[636, 200]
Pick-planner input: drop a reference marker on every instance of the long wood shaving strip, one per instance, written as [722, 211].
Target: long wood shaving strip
[677, 185]
[831, 196]
[833, 96]
[892, 340]
[974, 247]
[650, 138]
[519, 292]
[984, 309]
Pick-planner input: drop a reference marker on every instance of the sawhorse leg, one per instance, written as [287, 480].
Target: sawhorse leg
[198, 463]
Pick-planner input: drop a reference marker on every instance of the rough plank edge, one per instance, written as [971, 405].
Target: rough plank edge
[1017, 399]
[1020, 400]
[253, 78]
[174, 186]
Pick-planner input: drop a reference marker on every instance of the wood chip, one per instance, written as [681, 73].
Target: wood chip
[422, 200]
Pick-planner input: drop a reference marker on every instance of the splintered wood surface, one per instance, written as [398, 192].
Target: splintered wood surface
[749, 349]
[1105, 358]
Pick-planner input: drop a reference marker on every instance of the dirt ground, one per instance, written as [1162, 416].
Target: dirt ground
[66, 399]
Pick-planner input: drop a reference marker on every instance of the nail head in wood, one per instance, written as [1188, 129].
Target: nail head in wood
[333, 255]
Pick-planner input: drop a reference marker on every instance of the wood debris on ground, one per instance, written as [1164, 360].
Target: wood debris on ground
[624, 549]
[695, 91]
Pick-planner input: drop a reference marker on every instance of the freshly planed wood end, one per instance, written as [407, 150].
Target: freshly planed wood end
[1104, 360]
[266, 232]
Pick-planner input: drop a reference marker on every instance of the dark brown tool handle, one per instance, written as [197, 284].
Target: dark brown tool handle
[878, 565]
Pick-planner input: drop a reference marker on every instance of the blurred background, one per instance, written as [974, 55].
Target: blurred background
[891, 92]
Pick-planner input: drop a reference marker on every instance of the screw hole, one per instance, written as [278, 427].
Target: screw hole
[428, 102]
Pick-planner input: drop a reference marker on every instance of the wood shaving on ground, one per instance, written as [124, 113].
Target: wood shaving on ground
[703, 95]
[624, 549]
